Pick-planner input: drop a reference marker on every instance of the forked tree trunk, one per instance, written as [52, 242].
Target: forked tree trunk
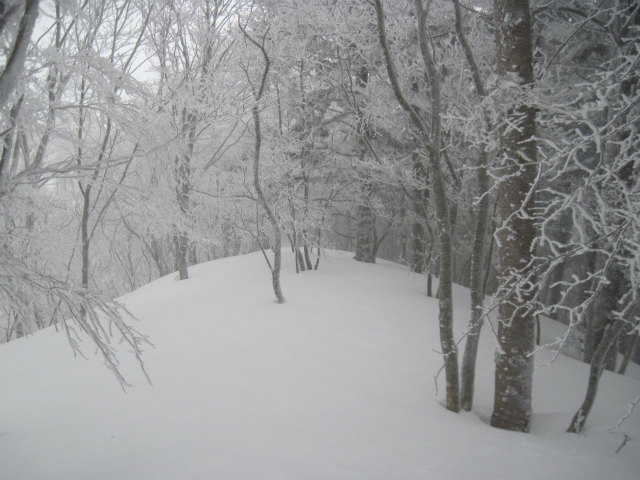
[517, 174]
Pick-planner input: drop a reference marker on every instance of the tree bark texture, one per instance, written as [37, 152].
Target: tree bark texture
[15, 62]
[517, 173]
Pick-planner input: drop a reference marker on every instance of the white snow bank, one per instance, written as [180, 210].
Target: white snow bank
[338, 383]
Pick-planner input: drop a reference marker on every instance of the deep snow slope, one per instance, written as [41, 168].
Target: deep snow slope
[338, 383]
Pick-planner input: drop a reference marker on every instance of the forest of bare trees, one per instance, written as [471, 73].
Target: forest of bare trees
[492, 144]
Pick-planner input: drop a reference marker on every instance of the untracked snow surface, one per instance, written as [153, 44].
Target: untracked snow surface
[338, 383]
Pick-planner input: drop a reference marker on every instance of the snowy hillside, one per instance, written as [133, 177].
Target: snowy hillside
[338, 383]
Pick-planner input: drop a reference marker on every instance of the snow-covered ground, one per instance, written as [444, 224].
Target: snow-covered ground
[338, 383]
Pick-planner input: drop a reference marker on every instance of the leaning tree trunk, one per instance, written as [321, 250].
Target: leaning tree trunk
[517, 174]
[628, 352]
[255, 111]
[605, 304]
[597, 365]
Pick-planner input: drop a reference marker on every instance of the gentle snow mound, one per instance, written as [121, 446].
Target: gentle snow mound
[337, 383]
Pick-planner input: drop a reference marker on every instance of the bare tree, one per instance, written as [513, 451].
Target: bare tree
[30, 293]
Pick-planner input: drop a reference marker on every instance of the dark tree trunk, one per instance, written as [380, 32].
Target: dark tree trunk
[518, 169]
[419, 248]
[84, 236]
[468, 370]
[183, 192]
[597, 363]
[419, 233]
[600, 317]
[307, 253]
[628, 352]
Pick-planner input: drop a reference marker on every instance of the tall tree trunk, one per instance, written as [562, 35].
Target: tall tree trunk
[468, 371]
[445, 287]
[365, 216]
[305, 216]
[262, 200]
[431, 139]
[517, 174]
